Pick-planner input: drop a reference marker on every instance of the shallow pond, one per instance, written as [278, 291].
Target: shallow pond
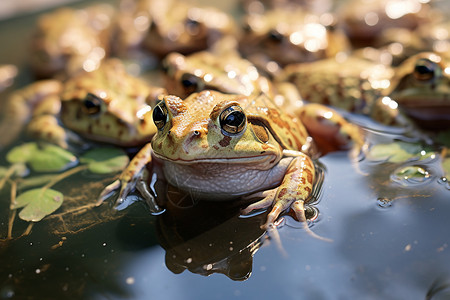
[388, 238]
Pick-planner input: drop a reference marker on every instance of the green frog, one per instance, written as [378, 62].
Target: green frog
[226, 146]
[106, 105]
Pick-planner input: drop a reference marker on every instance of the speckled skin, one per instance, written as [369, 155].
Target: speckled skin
[123, 117]
[359, 85]
[198, 156]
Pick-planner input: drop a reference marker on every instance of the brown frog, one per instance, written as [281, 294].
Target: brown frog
[105, 105]
[165, 26]
[419, 87]
[226, 146]
[68, 40]
[281, 37]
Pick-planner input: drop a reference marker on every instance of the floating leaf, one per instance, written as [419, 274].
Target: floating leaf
[41, 158]
[35, 181]
[397, 152]
[105, 160]
[37, 203]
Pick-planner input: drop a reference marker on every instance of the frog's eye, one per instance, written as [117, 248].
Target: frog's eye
[425, 69]
[192, 26]
[191, 83]
[233, 120]
[275, 36]
[160, 115]
[92, 104]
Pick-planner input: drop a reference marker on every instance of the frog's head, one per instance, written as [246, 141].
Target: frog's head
[211, 127]
[291, 36]
[179, 27]
[110, 105]
[229, 74]
[421, 87]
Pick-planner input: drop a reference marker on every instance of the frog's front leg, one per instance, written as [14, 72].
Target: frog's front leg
[329, 129]
[293, 191]
[129, 177]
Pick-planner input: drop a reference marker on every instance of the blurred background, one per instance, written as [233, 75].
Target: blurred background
[9, 8]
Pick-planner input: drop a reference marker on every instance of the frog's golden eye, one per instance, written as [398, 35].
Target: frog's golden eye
[160, 115]
[424, 69]
[92, 104]
[232, 119]
[191, 83]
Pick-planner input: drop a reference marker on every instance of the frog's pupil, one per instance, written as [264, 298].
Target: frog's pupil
[159, 116]
[232, 120]
[275, 36]
[424, 69]
[92, 103]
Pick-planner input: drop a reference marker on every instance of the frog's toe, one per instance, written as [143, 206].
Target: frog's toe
[124, 190]
[299, 209]
[268, 198]
[107, 191]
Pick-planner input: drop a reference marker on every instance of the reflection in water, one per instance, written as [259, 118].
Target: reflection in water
[210, 238]
[440, 289]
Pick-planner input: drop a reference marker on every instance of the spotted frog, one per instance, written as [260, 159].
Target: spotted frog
[106, 105]
[225, 146]
[224, 70]
[419, 87]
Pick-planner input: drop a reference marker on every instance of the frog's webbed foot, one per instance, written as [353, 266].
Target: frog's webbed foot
[296, 186]
[129, 177]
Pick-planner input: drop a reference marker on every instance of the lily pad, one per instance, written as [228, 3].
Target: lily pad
[42, 157]
[397, 152]
[37, 203]
[105, 160]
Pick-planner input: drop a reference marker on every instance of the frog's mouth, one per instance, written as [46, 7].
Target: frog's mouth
[266, 159]
[427, 108]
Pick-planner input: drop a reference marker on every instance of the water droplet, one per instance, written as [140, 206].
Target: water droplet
[384, 202]
[411, 176]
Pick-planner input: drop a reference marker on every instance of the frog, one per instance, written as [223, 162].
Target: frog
[67, 40]
[392, 96]
[161, 27]
[220, 146]
[280, 37]
[224, 69]
[106, 105]
[364, 21]
[421, 88]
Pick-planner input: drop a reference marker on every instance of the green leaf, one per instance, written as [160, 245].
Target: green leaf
[397, 152]
[35, 181]
[37, 203]
[105, 160]
[41, 158]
